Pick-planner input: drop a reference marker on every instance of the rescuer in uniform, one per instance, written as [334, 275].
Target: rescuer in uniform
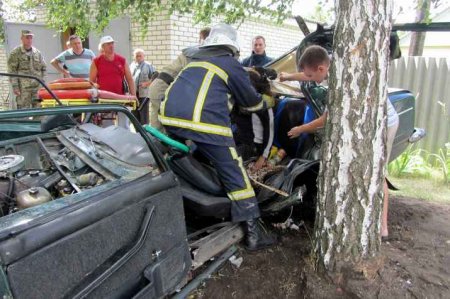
[197, 107]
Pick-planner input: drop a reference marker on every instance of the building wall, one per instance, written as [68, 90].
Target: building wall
[279, 38]
[5, 94]
[41, 15]
[437, 52]
[437, 44]
[165, 38]
[4, 82]
[167, 35]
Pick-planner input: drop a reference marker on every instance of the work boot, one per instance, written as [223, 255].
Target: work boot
[256, 237]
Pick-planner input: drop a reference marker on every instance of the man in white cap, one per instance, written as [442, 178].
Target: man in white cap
[197, 108]
[109, 70]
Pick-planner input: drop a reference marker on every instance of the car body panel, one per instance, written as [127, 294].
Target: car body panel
[124, 237]
[403, 100]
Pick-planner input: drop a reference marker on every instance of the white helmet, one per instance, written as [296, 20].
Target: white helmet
[222, 35]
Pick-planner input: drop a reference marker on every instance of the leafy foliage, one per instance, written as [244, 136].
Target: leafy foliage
[421, 163]
[324, 12]
[86, 15]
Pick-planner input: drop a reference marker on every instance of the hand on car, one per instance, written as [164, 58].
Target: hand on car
[295, 132]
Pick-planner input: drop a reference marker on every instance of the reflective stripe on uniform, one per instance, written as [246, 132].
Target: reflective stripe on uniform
[241, 194]
[210, 67]
[248, 191]
[255, 108]
[202, 96]
[269, 101]
[195, 126]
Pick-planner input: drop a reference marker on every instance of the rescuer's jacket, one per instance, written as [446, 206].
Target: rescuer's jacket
[197, 105]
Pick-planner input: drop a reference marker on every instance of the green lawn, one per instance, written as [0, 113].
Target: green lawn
[430, 189]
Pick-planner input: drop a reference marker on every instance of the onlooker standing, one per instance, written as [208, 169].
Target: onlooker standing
[109, 71]
[254, 133]
[142, 72]
[258, 57]
[26, 60]
[76, 59]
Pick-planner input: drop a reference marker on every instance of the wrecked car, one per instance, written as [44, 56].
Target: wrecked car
[106, 212]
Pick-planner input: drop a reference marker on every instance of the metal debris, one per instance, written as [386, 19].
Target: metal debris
[236, 261]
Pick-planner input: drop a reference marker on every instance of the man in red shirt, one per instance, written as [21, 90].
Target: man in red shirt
[110, 69]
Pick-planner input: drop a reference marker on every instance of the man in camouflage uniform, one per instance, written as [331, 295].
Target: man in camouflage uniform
[26, 60]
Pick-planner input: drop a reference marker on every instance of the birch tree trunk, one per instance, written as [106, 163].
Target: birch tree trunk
[418, 38]
[347, 228]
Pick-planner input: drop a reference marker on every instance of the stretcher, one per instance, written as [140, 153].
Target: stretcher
[132, 103]
[77, 91]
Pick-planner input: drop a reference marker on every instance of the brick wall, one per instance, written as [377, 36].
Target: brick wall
[156, 43]
[185, 33]
[168, 35]
[279, 38]
[4, 82]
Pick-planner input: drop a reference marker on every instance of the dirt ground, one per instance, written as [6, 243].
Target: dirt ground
[416, 263]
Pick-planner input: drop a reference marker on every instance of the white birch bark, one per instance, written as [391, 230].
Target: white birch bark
[352, 166]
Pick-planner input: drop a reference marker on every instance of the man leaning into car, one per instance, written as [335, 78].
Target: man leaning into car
[203, 117]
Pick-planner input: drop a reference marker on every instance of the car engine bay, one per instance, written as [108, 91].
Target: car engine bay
[41, 168]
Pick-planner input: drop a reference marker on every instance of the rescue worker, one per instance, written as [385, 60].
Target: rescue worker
[167, 75]
[197, 107]
[26, 60]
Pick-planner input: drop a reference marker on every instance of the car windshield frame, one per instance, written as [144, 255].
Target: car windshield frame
[93, 108]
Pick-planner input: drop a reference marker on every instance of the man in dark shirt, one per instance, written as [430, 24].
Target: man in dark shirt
[254, 133]
[258, 57]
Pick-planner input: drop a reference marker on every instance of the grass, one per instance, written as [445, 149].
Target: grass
[421, 174]
[421, 188]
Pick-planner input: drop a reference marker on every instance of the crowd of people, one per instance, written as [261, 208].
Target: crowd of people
[109, 70]
[204, 95]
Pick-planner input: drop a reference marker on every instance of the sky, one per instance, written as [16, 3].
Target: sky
[306, 8]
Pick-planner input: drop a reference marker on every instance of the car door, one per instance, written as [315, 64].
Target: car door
[109, 246]
[118, 240]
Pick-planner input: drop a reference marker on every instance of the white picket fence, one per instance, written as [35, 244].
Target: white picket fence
[429, 80]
